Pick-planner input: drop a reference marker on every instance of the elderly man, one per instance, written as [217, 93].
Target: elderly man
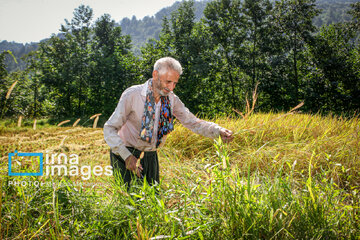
[143, 118]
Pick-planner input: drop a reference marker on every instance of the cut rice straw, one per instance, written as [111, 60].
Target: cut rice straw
[63, 122]
[19, 121]
[249, 109]
[96, 121]
[274, 120]
[10, 90]
[76, 122]
[34, 126]
[95, 115]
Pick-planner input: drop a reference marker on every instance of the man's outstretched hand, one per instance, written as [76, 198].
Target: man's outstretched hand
[226, 135]
[130, 164]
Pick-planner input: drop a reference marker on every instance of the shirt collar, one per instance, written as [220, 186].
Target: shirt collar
[145, 87]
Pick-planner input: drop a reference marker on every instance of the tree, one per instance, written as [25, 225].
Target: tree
[188, 42]
[86, 69]
[335, 54]
[188, 50]
[78, 32]
[355, 13]
[257, 16]
[3, 84]
[54, 62]
[294, 19]
[114, 68]
[155, 49]
[226, 25]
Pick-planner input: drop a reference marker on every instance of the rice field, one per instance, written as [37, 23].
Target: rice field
[285, 176]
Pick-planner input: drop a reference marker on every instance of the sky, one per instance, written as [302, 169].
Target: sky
[26, 21]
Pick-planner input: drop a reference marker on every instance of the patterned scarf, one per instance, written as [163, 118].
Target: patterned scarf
[148, 119]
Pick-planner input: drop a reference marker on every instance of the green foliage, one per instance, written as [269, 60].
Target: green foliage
[14, 90]
[19, 97]
[3, 71]
[294, 20]
[355, 13]
[234, 47]
[86, 70]
[226, 26]
[114, 68]
[337, 76]
[19, 51]
[142, 30]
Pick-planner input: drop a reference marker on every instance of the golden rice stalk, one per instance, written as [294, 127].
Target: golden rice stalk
[62, 141]
[297, 107]
[274, 120]
[96, 121]
[254, 99]
[249, 109]
[10, 90]
[63, 122]
[19, 121]
[247, 106]
[95, 115]
[34, 126]
[238, 112]
[254, 96]
[76, 122]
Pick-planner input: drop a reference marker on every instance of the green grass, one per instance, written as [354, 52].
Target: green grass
[283, 177]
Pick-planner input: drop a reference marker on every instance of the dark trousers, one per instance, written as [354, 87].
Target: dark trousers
[149, 163]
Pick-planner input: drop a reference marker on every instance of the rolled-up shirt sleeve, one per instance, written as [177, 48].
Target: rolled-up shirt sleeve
[114, 124]
[190, 121]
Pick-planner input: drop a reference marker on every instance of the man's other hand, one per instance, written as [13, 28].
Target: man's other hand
[130, 164]
[226, 135]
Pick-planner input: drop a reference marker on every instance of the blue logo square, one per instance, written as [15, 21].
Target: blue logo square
[12, 159]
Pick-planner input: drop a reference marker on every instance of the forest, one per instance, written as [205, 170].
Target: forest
[233, 49]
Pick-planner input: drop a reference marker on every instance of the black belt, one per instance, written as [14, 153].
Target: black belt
[137, 152]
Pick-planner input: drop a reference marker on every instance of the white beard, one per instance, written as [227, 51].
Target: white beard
[163, 94]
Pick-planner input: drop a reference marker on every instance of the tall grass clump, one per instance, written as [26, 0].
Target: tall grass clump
[283, 177]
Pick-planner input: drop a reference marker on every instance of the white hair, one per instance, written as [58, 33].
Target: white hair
[166, 63]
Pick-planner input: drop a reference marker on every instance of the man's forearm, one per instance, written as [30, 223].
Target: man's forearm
[115, 142]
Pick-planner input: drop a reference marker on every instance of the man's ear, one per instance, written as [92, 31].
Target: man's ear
[155, 74]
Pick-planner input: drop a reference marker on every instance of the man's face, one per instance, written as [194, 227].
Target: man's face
[166, 82]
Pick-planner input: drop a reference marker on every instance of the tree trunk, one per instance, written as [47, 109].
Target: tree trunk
[68, 109]
[253, 62]
[231, 82]
[35, 98]
[296, 81]
[79, 97]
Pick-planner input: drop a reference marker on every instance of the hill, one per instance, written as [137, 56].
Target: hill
[18, 50]
[141, 30]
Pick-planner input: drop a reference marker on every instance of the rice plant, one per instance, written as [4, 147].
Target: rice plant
[283, 177]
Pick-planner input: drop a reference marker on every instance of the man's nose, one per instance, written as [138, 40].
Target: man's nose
[171, 86]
